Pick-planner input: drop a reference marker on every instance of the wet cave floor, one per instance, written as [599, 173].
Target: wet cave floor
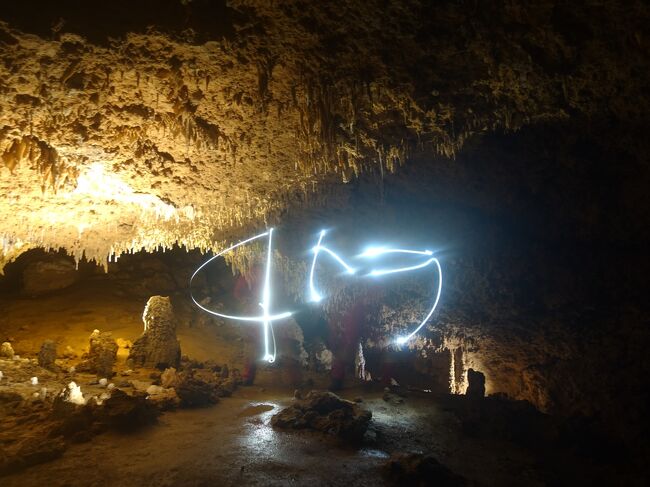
[232, 443]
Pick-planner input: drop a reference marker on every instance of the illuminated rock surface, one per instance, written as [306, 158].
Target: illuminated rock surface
[158, 346]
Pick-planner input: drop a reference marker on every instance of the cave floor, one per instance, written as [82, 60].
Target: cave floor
[232, 443]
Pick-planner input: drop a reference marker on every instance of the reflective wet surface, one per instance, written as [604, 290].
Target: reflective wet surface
[233, 443]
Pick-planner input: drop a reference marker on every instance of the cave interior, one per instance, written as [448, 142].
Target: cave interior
[443, 215]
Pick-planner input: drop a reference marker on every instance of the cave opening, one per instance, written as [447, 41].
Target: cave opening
[380, 242]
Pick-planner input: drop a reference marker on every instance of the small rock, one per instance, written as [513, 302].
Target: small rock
[326, 412]
[34, 381]
[103, 382]
[169, 378]
[194, 392]
[6, 350]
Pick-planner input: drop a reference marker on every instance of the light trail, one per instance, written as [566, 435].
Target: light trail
[265, 318]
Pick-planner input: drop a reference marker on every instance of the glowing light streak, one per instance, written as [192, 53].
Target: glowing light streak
[266, 318]
[315, 296]
[377, 251]
[266, 303]
[383, 272]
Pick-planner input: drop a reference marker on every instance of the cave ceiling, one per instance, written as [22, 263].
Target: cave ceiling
[137, 126]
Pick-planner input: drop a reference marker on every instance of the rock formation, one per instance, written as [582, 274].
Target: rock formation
[6, 350]
[326, 412]
[157, 346]
[475, 384]
[101, 356]
[47, 355]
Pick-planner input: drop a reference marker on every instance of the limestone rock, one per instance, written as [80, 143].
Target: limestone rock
[326, 412]
[101, 356]
[124, 412]
[169, 377]
[6, 350]
[47, 355]
[157, 346]
[194, 392]
[42, 277]
[163, 398]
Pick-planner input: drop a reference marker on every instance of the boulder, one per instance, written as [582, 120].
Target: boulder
[419, 470]
[47, 355]
[326, 412]
[101, 356]
[157, 346]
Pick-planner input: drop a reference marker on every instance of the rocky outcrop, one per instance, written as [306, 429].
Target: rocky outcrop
[326, 412]
[101, 357]
[157, 346]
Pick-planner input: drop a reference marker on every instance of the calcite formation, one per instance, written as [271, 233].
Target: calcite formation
[157, 346]
[101, 356]
[158, 132]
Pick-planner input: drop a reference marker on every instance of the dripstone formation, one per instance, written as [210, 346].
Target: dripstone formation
[101, 356]
[47, 355]
[157, 346]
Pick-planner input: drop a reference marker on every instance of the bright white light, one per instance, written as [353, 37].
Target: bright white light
[382, 272]
[266, 318]
[315, 296]
[376, 251]
[75, 397]
[402, 340]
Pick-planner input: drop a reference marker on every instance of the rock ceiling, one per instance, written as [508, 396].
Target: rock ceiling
[155, 134]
